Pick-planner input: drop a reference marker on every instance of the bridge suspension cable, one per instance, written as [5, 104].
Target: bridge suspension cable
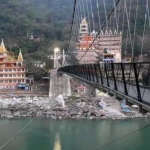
[88, 15]
[92, 14]
[73, 16]
[104, 24]
[146, 11]
[83, 7]
[115, 17]
[135, 25]
[98, 12]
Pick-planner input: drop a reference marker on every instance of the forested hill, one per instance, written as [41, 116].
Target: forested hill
[48, 20]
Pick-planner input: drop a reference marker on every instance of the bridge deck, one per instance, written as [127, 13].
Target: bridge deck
[125, 79]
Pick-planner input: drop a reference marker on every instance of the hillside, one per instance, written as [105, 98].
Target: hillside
[47, 20]
[36, 26]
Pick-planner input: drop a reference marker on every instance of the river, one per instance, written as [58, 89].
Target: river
[45, 134]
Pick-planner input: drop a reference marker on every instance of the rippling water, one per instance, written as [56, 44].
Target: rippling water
[45, 134]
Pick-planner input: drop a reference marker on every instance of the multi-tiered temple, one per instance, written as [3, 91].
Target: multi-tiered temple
[107, 46]
[12, 71]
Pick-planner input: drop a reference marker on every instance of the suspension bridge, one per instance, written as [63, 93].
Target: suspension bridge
[103, 35]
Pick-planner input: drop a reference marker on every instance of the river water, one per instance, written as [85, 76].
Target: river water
[45, 134]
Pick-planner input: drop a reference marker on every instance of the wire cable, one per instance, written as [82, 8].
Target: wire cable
[92, 15]
[88, 16]
[129, 28]
[103, 146]
[80, 7]
[144, 32]
[82, 1]
[13, 137]
[123, 22]
[105, 14]
[73, 16]
[128, 32]
[115, 15]
[137, 7]
[99, 18]
[148, 11]
[111, 12]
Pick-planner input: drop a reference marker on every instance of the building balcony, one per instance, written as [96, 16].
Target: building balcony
[12, 67]
[12, 72]
[3, 56]
[3, 78]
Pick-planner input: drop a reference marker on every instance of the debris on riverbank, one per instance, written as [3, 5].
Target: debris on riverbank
[74, 108]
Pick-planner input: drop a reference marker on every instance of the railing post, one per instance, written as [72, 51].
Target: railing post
[83, 74]
[89, 72]
[91, 67]
[137, 84]
[80, 72]
[76, 71]
[112, 67]
[106, 74]
[124, 80]
[84, 70]
[100, 72]
[95, 68]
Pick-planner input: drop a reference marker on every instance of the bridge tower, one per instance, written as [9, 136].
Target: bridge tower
[59, 83]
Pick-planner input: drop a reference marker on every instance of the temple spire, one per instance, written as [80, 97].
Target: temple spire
[20, 57]
[84, 29]
[2, 47]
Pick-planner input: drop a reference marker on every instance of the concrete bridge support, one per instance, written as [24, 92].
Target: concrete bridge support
[59, 84]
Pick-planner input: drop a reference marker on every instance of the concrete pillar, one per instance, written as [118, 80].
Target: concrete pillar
[59, 84]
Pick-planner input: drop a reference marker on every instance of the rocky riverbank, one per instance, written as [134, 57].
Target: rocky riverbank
[76, 108]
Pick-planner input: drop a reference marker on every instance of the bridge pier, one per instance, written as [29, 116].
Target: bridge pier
[59, 84]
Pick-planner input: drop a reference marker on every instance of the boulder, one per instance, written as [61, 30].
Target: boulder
[7, 114]
[16, 114]
[73, 112]
[39, 113]
[53, 117]
[88, 114]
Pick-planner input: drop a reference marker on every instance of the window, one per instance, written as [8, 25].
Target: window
[1, 75]
[83, 30]
[6, 81]
[14, 69]
[1, 81]
[10, 81]
[10, 75]
[14, 75]
[10, 69]
[19, 64]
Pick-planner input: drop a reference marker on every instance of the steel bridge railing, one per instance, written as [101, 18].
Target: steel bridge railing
[130, 79]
